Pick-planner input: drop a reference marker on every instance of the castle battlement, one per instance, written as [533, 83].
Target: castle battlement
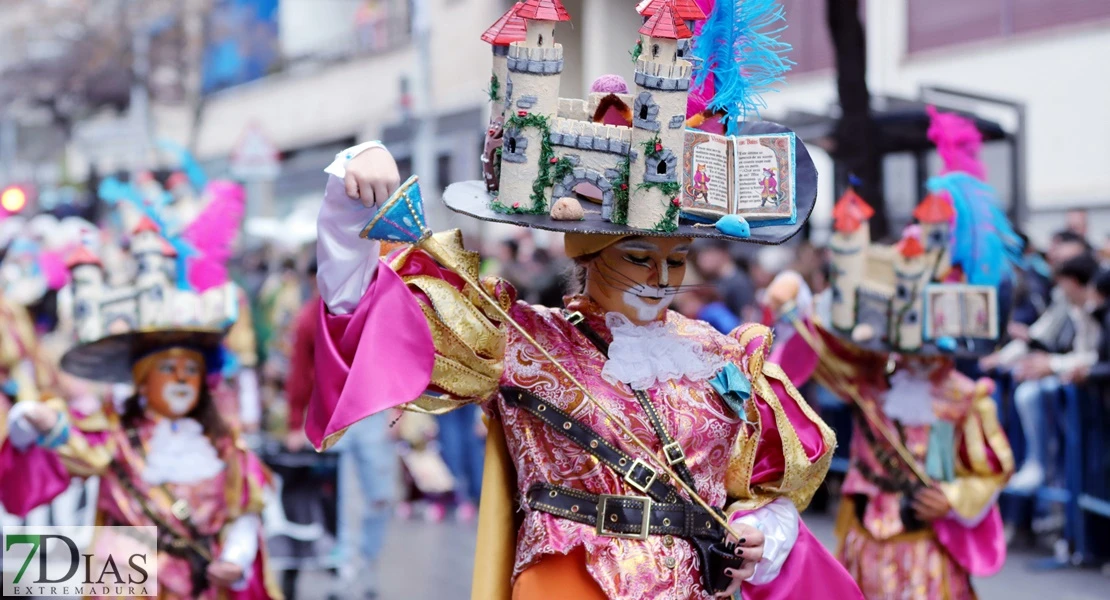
[586, 135]
[667, 77]
[574, 109]
[537, 61]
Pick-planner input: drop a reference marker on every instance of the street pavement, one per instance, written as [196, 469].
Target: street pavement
[424, 561]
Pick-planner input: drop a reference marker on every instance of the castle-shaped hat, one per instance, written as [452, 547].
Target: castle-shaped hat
[171, 300]
[624, 160]
[937, 290]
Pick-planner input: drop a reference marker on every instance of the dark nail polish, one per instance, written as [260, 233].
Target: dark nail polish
[743, 540]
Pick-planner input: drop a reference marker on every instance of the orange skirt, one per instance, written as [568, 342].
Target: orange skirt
[558, 577]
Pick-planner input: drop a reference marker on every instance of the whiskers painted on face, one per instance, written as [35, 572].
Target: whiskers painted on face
[614, 278]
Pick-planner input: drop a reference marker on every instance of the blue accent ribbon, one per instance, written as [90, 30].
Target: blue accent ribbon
[56, 437]
[940, 460]
[731, 383]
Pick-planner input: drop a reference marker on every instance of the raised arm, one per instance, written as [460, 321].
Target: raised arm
[388, 334]
[47, 441]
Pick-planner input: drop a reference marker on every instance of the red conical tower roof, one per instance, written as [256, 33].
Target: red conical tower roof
[145, 225]
[82, 256]
[910, 247]
[935, 208]
[508, 29]
[543, 10]
[666, 24]
[850, 212]
[687, 10]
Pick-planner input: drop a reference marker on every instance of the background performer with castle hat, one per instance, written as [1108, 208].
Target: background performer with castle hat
[166, 458]
[928, 455]
[632, 453]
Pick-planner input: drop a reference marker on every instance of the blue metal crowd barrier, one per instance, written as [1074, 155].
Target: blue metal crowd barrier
[1071, 434]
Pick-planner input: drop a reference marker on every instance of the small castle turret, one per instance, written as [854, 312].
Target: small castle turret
[935, 214]
[87, 285]
[850, 241]
[659, 122]
[509, 29]
[911, 275]
[687, 10]
[531, 97]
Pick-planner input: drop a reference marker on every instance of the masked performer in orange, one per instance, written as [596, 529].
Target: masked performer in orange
[167, 459]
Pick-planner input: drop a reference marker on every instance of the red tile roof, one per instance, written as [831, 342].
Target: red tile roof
[666, 24]
[935, 208]
[145, 224]
[508, 29]
[687, 10]
[850, 212]
[910, 247]
[82, 256]
[543, 10]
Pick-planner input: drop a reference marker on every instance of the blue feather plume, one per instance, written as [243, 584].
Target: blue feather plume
[113, 191]
[739, 46]
[984, 243]
[188, 164]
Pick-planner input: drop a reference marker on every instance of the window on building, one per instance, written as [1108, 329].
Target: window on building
[661, 169]
[644, 111]
[808, 35]
[655, 51]
[939, 23]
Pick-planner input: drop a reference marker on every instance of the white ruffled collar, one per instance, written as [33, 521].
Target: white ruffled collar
[645, 355]
[910, 399]
[179, 452]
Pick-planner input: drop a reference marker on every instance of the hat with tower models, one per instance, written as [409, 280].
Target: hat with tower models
[626, 160]
[939, 289]
[173, 298]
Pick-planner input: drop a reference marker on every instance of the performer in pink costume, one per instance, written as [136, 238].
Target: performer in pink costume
[166, 458]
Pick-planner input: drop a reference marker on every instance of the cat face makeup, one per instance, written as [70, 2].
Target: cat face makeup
[638, 277]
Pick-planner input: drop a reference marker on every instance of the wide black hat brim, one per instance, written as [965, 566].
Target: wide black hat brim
[471, 198]
[110, 359]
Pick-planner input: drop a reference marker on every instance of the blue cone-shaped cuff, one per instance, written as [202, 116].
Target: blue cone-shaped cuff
[402, 217]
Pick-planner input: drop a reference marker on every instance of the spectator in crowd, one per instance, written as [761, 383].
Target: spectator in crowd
[716, 266]
[703, 302]
[1098, 374]
[1077, 222]
[462, 444]
[1033, 289]
[1062, 340]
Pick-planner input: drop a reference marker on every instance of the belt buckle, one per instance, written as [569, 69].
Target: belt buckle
[575, 318]
[673, 452]
[641, 487]
[645, 521]
[180, 509]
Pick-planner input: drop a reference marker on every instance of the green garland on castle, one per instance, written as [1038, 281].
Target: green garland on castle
[669, 222]
[652, 147]
[494, 89]
[620, 193]
[538, 206]
[636, 51]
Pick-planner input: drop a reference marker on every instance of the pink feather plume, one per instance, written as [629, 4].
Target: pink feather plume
[212, 234]
[958, 142]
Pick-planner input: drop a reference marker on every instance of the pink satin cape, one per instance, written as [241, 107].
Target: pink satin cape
[810, 571]
[357, 375]
[980, 550]
[29, 478]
